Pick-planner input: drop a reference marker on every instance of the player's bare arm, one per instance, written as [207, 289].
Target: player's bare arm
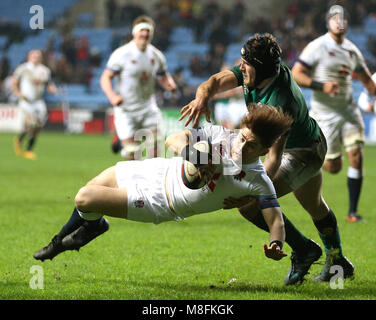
[365, 78]
[218, 82]
[175, 142]
[301, 75]
[274, 220]
[274, 157]
[16, 87]
[167, 82]
[106, 85]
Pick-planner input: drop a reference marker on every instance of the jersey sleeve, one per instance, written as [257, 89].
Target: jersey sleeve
[205, 133]
[360, 62]
[162, 64]
[310, 54]
[238, 74]
[18, 72]
[264, 189]
[114, 62]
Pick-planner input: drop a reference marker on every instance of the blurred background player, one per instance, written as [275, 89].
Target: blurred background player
[136, 65]
[326, 65]
[230, 106]
[29, 82]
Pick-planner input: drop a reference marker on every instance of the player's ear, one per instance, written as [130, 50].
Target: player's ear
[265, 152]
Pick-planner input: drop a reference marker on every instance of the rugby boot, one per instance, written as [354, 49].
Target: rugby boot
[300, 263]
[29, 155]
[51, 250]
[17, 146]
[354, 217]
[340, 264]
[84, 234]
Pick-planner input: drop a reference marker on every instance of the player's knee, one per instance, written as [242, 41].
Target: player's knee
[83, 198]
[332, 166]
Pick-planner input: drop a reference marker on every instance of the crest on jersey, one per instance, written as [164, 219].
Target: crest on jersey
[139, 203]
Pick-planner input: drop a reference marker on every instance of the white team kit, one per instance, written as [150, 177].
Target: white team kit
[338, 115]
[136, 71]
[32, 81]
[156, 192]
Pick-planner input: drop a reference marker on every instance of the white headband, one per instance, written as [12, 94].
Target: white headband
[142, 25]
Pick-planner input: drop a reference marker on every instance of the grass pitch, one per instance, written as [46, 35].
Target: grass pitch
[212, 256]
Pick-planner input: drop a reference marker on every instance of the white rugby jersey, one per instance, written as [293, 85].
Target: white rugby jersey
[365, 98]
[136, 72]
[330, 61]
[229, 179]
[32, 80]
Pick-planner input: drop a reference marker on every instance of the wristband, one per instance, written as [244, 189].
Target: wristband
[277, 242]
[316, 85]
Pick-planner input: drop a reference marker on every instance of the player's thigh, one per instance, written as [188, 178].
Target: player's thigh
[106, 178]
[104, 200]
[331, 125]
[124, 124]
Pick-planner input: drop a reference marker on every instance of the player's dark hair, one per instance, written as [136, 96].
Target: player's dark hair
[264, 54]
[268, 123]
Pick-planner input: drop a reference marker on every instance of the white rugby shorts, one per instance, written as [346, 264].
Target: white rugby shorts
[298, 165]
[146, 189]
[341, 129]
[127, 122]
[35, 113]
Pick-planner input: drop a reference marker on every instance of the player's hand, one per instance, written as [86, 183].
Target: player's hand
[331, 87]
[194, 110]
[116, 100]
[206, 171]
[230, 202]
[274, 252]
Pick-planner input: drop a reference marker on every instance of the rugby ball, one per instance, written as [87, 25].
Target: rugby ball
[189, 172]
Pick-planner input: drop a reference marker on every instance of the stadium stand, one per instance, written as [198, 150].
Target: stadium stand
[190, 47]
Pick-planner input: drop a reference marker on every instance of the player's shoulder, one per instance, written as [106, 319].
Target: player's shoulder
[123, 49]
[319, 41]
[155, 51]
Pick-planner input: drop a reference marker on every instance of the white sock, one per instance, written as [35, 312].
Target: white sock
[89, 216]
[354, 173]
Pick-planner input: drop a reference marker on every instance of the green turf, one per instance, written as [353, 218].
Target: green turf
[212, 256]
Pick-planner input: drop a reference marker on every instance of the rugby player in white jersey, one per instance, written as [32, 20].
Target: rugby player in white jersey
[326, 65]
[29, 81]
[135, 66]
[153, 190]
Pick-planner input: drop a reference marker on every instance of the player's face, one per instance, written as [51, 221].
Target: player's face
[337, 24]
[249, 73]
[143, 37]
[35, 57]
[247, 147]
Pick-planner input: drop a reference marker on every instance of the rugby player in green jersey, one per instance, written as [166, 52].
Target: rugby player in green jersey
[293, 163]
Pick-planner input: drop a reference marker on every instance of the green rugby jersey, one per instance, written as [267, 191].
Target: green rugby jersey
[284, 93]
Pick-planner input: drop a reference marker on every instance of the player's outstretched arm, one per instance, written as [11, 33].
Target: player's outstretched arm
[106, 85]
[175, 142]
[274, 220]
[218, 82]
[366, 79]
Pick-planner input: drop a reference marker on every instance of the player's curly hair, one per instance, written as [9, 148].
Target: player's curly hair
[268, 123]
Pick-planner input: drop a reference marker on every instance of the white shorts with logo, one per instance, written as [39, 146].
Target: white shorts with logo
[299, 165]
[127, 123]
[35, 113]
[345, 128]
[146, 189]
